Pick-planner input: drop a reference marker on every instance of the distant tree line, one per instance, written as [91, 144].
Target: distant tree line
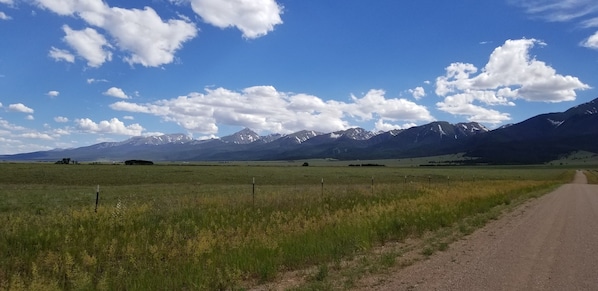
[66, 161]
[366, 165]
[138, 162]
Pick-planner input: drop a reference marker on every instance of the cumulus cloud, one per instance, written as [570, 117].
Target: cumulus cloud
[510, 74]
[140, 33]
[591, 42]
[382, 125]
[266, 109]
[89, 44]
[150, 41]
[53, 93]
[418, 93]
[254, 18]
[61, 55]
[20, 107]
[143, 36]
[61, 119]
[3, 16]
[462, 104]
[116, 92]
[375, 103]
[112, 126]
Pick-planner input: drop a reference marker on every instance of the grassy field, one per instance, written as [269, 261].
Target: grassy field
[227, 226]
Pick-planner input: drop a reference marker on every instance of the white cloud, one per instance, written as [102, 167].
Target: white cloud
[254, 18]
[30, 117]
[9, 126]
[61, 55]
[116, 92]
[375, 103]
[128, 117]
[509, 74]
[382, 125]
[582, 11]
[3, 16]
[89, 44]
[418, 93]
[141, 34]
[36, 135]
[510, 65]
[558, 10]
[19, 107]
[58, 132]
[61, 119]
[18, 139]
[590, 23]
[462, 104]
[264, 108]
[150, 41]
[8, 2]
[591, 42]
[92, 80]
[144, 37]
[53, 93]
[112, 126]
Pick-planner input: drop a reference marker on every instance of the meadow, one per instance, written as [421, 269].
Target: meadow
[227, 226]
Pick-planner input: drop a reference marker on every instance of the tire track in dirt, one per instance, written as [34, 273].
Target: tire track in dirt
[549, 243]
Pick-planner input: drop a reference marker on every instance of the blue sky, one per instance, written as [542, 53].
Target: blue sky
[79, 72]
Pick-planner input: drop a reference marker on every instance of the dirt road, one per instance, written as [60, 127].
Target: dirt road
[550, 243]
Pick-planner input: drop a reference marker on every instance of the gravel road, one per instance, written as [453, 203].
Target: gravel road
[549, 243]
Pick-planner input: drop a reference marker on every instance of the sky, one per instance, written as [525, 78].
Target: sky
[80, 72]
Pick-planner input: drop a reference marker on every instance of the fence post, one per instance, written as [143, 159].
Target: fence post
[97, 197]
[253, 191]
[372, 185]
[322, 192]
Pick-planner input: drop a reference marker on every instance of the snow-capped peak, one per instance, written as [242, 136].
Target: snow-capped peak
[355, 133]
[244, 136]
[157, 139]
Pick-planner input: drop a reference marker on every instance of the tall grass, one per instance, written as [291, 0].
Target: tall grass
[592, 176]
[183, 227]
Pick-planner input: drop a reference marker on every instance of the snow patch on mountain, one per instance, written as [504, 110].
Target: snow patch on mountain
[441, 131]
[555, 122]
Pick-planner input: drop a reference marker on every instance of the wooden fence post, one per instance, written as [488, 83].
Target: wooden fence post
[97, 197]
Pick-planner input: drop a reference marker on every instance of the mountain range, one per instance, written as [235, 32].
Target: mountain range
[539, 139]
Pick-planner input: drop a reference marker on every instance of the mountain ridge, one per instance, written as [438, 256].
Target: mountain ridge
[535, 140]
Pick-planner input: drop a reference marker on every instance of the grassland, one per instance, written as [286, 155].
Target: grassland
[212, 227]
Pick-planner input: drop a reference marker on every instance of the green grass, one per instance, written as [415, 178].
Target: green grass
[207, 227]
